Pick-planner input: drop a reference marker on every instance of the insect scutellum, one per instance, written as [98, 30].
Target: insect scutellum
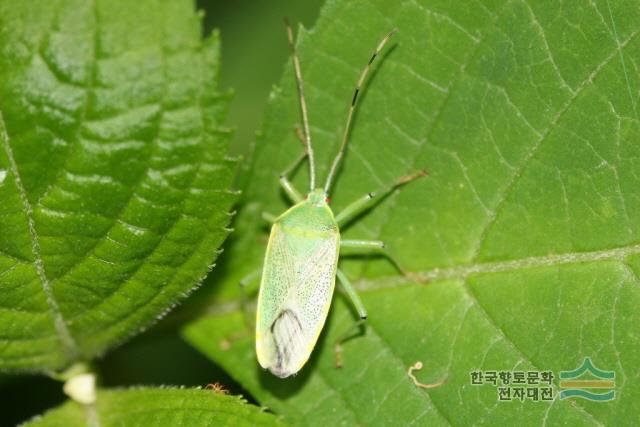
[301, 261]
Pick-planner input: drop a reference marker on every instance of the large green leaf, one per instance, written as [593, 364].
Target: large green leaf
[150, 407]
[527, 228]
[114, 178]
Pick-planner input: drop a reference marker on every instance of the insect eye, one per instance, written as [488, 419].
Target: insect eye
[327, 199]
[306, 196]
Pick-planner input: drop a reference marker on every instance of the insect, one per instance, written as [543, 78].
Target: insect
[217, 388]
[301, 261]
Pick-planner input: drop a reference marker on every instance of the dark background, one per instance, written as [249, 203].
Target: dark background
[254, 54]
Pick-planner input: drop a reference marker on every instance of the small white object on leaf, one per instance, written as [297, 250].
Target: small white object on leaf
[81, 388]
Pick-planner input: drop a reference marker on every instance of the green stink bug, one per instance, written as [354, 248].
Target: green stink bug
[301, 261]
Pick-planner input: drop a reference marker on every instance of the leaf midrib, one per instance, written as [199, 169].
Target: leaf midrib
[67, 340]
[69, 344]
[464, 271]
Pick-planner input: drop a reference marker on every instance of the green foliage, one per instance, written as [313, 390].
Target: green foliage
[159, 407]
[527, 228]
[114, 178]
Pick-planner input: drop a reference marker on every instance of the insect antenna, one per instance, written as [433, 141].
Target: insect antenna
[347, 127]
[303, 107]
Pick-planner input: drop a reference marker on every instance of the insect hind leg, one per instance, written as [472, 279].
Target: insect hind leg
[358, 325]
[249, 291]
[249, 320]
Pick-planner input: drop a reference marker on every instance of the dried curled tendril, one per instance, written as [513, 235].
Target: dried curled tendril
[416, 367]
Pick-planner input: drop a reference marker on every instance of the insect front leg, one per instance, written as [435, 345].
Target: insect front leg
[362, 313]
[287, 186]
[269, 217]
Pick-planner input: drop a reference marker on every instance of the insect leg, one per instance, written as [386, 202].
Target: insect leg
[249, 279]
[249, 321]
[269, 217]
[288, 187]
[247, 293]
[365, 201]
[353, 295]
[362, 312]
[365, 244]
[380, 247]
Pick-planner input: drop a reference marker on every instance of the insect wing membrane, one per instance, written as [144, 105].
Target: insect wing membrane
[295, 294]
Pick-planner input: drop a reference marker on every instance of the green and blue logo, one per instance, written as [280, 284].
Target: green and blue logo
[593, 379]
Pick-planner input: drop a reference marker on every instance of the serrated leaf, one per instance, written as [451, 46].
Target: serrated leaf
[527, 228]
[150, 407]
[114, 179]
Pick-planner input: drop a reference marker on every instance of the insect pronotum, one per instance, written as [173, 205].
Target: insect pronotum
[301, 261]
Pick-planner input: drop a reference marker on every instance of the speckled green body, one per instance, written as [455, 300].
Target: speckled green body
[297, 285]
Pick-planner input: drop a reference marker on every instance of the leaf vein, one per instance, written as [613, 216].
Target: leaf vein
[402, 366]
[464, 271]
[510, 343]
[533, 150]
[60, 325]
